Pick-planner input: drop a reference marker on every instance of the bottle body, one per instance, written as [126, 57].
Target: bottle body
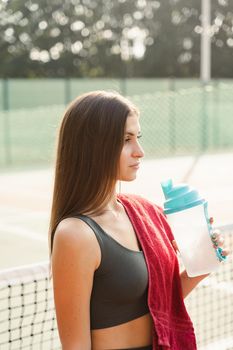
[191, 231]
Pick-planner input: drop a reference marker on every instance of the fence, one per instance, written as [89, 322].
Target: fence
[176, 121]
[24, 93]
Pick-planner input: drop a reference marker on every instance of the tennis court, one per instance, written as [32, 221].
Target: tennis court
[24, 209]
[172, 131]
[26, 195]
[186, 125]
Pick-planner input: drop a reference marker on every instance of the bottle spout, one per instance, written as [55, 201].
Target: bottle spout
[166, 187]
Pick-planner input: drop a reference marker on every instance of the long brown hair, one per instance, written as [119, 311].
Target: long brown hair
[90, 141]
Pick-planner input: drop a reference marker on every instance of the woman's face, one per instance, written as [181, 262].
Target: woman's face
[131, 152]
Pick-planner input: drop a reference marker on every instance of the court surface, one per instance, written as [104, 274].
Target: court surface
[25, 199]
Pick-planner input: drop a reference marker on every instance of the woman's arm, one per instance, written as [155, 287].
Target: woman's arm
[189, 283]
[74, 259]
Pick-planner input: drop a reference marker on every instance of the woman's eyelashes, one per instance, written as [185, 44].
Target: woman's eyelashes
[130, 138]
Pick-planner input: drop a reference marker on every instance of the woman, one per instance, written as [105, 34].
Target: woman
[116, 279]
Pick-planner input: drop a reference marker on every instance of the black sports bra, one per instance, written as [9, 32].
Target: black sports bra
[120, 285]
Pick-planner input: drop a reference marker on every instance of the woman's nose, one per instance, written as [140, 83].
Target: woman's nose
[138, 152]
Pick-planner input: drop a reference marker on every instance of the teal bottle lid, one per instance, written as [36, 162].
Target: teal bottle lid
[179, 197]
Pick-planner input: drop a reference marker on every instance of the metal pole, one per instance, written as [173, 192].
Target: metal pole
[172, 117]
[7, 138]
[5, 94]
[216, 119]
[67, 86]
[204, 121]
[123, 84]
[205, 69]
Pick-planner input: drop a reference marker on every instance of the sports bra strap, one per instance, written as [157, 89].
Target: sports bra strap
[94, 226]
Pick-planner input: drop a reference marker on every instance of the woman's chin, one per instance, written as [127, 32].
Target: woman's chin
[128, 178]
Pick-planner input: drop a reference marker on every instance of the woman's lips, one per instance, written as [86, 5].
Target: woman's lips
[135, 166]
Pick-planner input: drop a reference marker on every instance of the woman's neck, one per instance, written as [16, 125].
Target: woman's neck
[112, 206]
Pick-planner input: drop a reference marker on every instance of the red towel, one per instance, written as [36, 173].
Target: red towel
[173, 329]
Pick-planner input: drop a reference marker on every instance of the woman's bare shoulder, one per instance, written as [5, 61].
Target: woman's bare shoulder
[72, 235]
[74, 229]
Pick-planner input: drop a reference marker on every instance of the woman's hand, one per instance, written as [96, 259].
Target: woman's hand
[175, 246]
[218, 240]
[189, 283]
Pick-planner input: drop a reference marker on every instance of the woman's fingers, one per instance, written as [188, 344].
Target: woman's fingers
[175, 245]
[211, 220]
[218, 242]
[217, 239]
[225, 252]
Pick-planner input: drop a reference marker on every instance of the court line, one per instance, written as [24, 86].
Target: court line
[191, 169]
[219, 344]
[25, 215]
[212, 282]
[23, 233]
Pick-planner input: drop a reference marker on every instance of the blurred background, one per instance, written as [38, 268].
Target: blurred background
[174, 60]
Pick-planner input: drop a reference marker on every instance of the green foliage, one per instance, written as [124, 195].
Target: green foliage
[99, 38]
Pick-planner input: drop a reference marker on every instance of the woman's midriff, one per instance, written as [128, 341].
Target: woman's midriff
[132, 334]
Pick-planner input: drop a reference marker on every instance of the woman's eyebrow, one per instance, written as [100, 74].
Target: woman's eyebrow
[132, 134]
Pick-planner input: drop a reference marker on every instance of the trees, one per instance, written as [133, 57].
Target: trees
[77, 38]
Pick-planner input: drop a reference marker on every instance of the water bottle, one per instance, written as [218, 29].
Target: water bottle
[187, 215]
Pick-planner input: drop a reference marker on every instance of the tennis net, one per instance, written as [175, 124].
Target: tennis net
[28, 321]
[27, 318]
